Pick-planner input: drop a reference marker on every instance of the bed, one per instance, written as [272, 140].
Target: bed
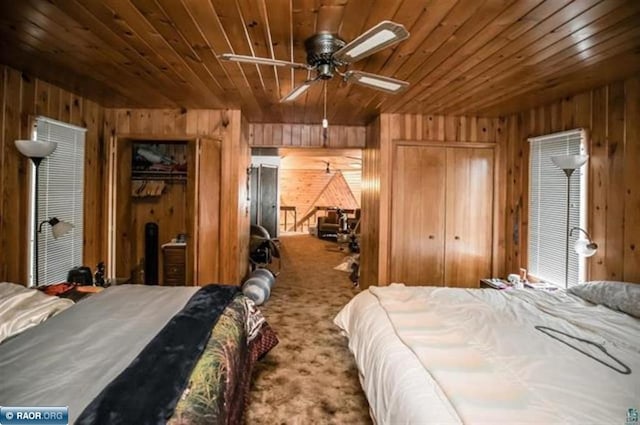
[139, 354]
[431, 355]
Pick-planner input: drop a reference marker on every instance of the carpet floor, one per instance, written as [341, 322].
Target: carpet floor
[310, 377]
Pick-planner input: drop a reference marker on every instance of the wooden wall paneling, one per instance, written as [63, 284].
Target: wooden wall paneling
[606, 113]
[598, 177]
[14, 180]
[305, 135]
[615, 225]
[90, 117]
[301, 188]
[418, 215]
[388, 127]
[632, 177]
[369, 224]
[208, 206]
[234, 219]
[126, 265]
[500, 207]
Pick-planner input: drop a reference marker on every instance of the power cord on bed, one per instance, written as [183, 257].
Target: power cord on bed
[547, 331]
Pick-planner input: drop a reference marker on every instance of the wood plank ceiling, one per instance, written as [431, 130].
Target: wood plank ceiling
[486, 57]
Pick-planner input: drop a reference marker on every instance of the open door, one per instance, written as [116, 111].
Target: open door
[121, 210]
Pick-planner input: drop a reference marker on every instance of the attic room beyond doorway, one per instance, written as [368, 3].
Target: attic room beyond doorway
[311, 182]
[317, 180]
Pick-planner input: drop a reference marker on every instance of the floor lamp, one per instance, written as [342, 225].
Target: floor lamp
[35, 150]
[568, 164]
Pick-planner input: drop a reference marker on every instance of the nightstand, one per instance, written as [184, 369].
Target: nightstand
[174, 262]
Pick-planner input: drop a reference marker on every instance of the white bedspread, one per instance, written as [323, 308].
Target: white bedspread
[22, 308]
[448, 355]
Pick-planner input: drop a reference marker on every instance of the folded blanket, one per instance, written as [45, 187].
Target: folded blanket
[148, 390]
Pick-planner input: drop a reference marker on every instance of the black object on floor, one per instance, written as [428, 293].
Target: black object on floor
[151, 254]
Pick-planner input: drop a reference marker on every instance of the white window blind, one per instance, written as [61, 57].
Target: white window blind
[60, 195]
[548, 208]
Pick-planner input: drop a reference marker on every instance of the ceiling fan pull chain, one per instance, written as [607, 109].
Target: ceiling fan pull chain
[325, 122]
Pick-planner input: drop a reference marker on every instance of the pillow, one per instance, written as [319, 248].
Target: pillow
[622, 296]
[22, 308]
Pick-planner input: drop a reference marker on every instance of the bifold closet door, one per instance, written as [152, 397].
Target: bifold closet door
[469, 205]
[418, 215]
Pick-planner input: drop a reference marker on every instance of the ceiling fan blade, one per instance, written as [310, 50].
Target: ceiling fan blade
[375, 81]
[296, 92]
[381, 36]
[262, 61]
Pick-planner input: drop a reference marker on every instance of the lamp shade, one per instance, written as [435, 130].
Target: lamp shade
[35, 148]
[61, 228]
[569, 162]
[585, 247]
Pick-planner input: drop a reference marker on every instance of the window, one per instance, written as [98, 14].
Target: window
[548, 208]
[60, 195]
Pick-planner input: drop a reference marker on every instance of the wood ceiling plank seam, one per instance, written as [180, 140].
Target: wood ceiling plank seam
[304, 16]
[584, 77]
[457, 21]
[354, 24]
[229, 19]
[582, 35]
[138, 53]
[62, 61]
[255, 26]
[44, 37]
[530, 53]
[135, 48]
[597, 55]
[264, 14]
[425, 24]
[23, 58]
[597, 75]
[80, 38]
[278, 34]
[247, 37]
[456, 73]
[329, 18]
[154, 25]
[207, 21]
[448, 63]
[505, 58]
[601, 40]
[185, 26]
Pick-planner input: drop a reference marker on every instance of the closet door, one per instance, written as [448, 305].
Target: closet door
[469, 205]
[418, 215]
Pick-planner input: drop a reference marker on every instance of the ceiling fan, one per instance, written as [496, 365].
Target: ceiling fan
[327, 53]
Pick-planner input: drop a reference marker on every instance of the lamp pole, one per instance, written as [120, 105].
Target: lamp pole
[36, 163]
[568, 172]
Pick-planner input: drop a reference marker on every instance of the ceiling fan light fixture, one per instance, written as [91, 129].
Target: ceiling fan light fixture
[377, 38]
[389, 85]
[255, 60]
[325, 123]
[297, 91]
